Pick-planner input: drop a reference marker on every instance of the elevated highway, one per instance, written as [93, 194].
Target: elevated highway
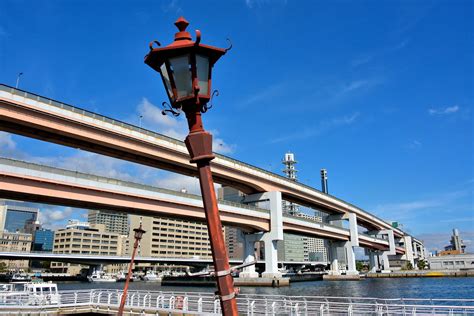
[42, 118]
[98, 259]
[36, 183]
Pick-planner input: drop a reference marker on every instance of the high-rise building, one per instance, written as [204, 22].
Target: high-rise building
[115, 222]
[14, 216]
[171, 238]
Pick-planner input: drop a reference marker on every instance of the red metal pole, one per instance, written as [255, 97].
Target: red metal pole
[199, 144]
[129, 275]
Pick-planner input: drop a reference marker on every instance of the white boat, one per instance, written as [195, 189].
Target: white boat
[18, 276]
[151, 276]
[32, 293]
[99, 276]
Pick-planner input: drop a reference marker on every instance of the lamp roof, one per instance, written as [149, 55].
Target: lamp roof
[182, 44]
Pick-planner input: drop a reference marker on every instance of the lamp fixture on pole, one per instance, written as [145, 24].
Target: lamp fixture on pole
[138, 236]
[185, 67]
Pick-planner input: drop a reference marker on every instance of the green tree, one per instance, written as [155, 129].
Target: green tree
[407, 266]
[421, 264]
[359, 266]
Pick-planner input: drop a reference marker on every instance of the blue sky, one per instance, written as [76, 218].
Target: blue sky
[378, 92]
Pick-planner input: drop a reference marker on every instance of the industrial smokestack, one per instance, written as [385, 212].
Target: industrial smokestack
[324, 181]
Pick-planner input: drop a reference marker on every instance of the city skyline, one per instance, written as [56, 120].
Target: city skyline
[380, 115]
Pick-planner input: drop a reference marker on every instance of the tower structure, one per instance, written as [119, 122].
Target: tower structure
[290, 171]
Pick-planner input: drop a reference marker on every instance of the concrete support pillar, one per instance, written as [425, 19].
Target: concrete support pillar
[408, 242]
[276, 230]
[348, 246]
[350, 259]
[374, 261]
[385, 262]
[391, 250]
[271, 259]
[334, 266]
[249, 256]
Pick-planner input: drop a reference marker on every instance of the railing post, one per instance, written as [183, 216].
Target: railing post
[274, 308]
[185, 304]
[217, 306]
[321, 310]
[172, 300]
[200, 305]
[297, 313]
[252, 308]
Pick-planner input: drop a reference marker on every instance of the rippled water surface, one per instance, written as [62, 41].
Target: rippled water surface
[381, 288]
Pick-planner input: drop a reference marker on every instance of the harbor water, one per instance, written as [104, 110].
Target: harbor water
[448, 288]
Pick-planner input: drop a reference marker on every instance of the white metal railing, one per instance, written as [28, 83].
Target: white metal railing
[248, 304]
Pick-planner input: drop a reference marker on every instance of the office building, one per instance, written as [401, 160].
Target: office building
[171, 238]
[293, 248]
[317, 250]
[43, 240]
[14, 216]
[115, 222]
[88, 239]
[15, 242]
[234, 240]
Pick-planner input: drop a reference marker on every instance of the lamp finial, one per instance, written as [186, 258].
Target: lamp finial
[182, 24]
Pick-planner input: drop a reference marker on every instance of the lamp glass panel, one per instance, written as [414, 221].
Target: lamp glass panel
[182, 75]
[202, 66]
[166, 80]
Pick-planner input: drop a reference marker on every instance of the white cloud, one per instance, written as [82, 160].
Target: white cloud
[320, 128]
[409, 209]
[269, 92]
[6, 142]
[413, 144]
[91, 163]
[50, 216]
[437, 241]
[444, 111]
[175, 127]
[172, 6]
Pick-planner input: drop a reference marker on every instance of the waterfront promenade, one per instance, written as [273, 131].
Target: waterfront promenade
[106, 301]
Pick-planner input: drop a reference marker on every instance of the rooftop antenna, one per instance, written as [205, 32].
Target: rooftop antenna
[18, 79]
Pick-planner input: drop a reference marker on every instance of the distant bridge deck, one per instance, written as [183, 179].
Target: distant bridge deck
[102, 259]
[37, 183]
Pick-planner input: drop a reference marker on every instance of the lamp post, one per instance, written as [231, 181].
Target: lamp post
[138, 236]
[18, 79]
[186, 68]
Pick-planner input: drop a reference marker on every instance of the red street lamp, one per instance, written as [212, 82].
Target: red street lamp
[186, 68]
[138, 236]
